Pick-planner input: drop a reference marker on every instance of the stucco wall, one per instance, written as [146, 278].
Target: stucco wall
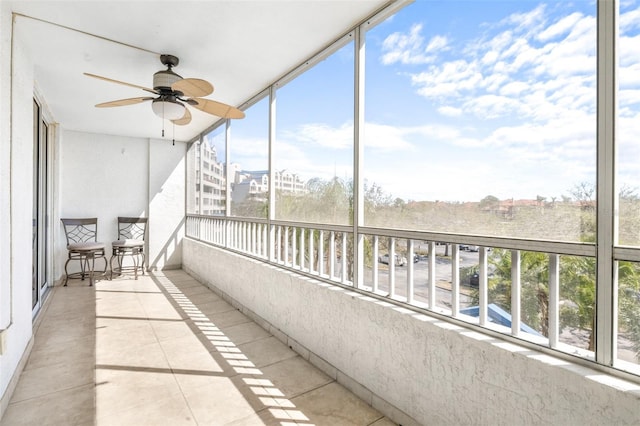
[414, 368]
[16, 158]
[108, 176]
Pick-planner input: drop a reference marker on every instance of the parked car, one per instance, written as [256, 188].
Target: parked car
[474, 280]
[400, 260]
[416, 258]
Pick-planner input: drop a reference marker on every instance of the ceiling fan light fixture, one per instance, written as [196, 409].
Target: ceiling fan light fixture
[168, 109]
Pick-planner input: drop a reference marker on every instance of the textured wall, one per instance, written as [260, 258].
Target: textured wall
[433, 371]
[107, 176]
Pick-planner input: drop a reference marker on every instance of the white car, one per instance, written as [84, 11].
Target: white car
[400, 260]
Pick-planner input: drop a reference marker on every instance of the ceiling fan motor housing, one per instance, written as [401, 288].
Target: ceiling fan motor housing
[164, 79]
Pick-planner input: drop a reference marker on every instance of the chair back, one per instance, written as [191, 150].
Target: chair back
[80, 230]
[132, 228]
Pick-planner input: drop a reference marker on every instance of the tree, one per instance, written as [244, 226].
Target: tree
[489, 202]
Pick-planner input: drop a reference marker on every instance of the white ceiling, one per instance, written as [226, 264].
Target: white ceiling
[239, 46]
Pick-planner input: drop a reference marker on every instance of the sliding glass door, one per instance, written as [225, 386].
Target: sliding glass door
[40, 226]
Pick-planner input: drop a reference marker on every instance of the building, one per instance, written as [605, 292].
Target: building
[390, 341]
[211, 191]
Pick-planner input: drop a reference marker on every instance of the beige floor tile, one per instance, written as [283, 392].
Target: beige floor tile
[294, 376]
[330, 402]
[167, 351]
[217, 400]
[170, 329]
[121, 389]
[215, 307]
[121, 305]
[68, 407]
[37, 382]
[171, 411]
[158, 307]
[227, 318]
[113, 332]
[127, 281]
[193, 291]
[384, 422]
[245, 333]
[267, 351]
[49, 335]
[263, 417]
[188, 353]
[74, 352]
[204, 298]
[150, 356]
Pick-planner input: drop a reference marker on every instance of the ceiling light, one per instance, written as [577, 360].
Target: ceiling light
[168, 109]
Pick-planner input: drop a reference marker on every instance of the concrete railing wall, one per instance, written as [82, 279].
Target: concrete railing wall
[414, 368]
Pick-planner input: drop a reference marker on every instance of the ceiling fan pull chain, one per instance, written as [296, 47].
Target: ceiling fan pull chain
[174, 134]
[163, 119]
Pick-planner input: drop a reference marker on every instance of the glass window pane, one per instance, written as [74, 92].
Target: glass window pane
[628, 123]
[193, 178]
[628, 342]
[313, 150]
[483, 122]
[577, 302]
[249, 168]
[213, 189]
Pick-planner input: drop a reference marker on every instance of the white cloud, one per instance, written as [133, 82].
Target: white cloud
[408, 48]
[437, 43]
[559, 28]
[324, 135]
[629, 20]
[529, 66]
[527, 22]
[514, 88]
[450, 111]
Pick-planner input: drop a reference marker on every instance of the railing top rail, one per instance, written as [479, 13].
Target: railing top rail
[547, 246]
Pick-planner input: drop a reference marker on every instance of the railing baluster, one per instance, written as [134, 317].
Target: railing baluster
[554, 295]
[343, 258]
[483, 288]
[294, 246]
[392, 267]
[321, 253]
[332, 254]
[302, 249]
[432, 275]
[410, 271]
[516, 289]
[375, 263]
[286, 245]
[455, 279]
[311, 250]
[276, 243]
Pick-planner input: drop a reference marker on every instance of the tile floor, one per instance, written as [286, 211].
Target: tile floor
[165, 350]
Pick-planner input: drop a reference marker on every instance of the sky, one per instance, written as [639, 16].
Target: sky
[463, 99]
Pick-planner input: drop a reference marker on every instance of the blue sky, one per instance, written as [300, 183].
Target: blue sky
[463, 99]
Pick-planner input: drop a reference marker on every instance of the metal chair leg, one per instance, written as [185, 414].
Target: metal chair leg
[66, 273]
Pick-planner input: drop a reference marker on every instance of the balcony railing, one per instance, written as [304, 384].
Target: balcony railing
[521, 289]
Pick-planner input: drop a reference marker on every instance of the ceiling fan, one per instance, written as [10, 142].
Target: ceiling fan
[173, 93]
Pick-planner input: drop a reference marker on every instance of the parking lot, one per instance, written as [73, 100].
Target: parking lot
[421, 276]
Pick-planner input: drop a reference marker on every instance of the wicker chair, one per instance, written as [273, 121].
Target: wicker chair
[130, 242]
[83, 246]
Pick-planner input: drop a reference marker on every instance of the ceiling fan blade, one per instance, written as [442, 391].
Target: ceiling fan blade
[123, 102]
[186, 119]
[120, 82]
[193, 87]
[217, 108]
